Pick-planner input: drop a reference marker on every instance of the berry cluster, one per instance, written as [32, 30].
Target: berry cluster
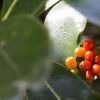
[91, 62]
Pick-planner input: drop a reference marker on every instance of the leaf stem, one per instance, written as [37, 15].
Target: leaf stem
[55, 94]
[9, 10]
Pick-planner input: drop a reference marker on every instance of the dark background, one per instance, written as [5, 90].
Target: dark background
[1, 1]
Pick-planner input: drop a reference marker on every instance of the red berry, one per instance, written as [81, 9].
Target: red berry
[71, 62]
[97, 59]
[96, 70]
[88, 44]
[85, 65]
[90, 76]
[79, 51]
[89, 56]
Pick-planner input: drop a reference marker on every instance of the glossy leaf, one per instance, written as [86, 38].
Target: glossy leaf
[23, 7]
[90, 8]
[24, 52]
[44, 94]
[95, 85]
[64, 85]
[64, 24]
[50, 3]
[69, 86]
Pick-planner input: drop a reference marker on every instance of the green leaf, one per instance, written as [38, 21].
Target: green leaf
[64, 24]
[64, 85]
[14, 7]
[90, 8]
[95, 85]
[24, 52]
[44, 94]
[69, 86]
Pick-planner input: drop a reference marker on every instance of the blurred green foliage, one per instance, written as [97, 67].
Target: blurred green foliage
[32, 54]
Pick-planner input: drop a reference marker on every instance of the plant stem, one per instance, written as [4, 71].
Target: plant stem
[9, 10]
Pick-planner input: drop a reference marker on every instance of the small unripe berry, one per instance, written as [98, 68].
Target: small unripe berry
[74, 71]
[96, 51]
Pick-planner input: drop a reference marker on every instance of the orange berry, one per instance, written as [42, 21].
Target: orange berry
[79, 51]
[71, 62]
